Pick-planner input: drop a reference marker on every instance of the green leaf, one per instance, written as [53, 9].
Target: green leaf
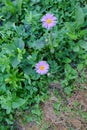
[19, 43]
[9, 121]
[10, 6]
[70, 26]
[53, 66]
[57, 106]
[38, 44]
[76, 48]
[6, 103]
[71, 30]
[18, 103]
[83, 44]
[68, 90]
[36, 110]
[28, 78]
[19, 5]
[79, 16]
[72, 36]
[67, 60]
[80, 67]
[14, 61]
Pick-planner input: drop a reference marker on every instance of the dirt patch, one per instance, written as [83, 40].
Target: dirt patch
[79, 97]
[65, 120]
[69, 119]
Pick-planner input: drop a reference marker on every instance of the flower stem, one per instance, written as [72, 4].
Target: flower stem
[51, 42]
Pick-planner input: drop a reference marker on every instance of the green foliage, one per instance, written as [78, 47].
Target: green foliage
[24, 42]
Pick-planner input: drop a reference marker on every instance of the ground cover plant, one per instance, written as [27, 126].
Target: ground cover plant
[41, 42]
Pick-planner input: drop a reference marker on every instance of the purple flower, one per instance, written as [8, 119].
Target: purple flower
[42, 67]
[49, 21]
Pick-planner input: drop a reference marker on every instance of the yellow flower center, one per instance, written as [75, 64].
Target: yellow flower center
[49, 21]
[42, 67]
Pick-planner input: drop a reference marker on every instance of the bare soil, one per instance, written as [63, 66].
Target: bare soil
[71, 119]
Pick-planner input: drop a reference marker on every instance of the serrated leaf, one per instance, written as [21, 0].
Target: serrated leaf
[19, 102]
[14, 61]
[19, 43]
[38, 44]
[68, 90]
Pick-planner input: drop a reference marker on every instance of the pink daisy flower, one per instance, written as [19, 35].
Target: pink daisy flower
[49, 21]
[42, 67]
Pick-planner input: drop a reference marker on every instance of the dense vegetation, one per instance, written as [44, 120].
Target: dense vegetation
[24, 42]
